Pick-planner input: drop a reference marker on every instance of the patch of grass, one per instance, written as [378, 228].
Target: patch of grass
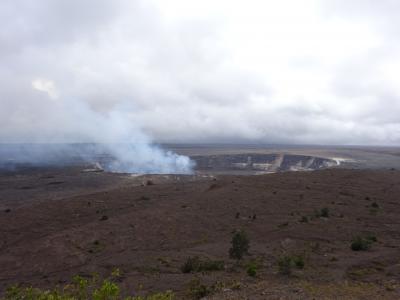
[299, 261]
[96, 247]
[371, 237]
[304, 219]
[374, 205]
[240, 245]
[322, 213]
[373, 211]
[340, 290]
[333, 259]
[79, 289]
[325, 212]
[287, 263]
[251, 269]
[360, 243]
[283, 225]
[164, 261]
[116, 273]
[148, 269]
[361, 272]
[315, 247]
[168, 295]
[198, 290]
[195, 264]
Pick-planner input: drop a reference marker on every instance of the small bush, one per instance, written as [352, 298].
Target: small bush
[375, 205]
[299, 261]
[240, 245]
[322, 213]
[107, 291]
[212, 265]
[168, 295]
[288, 262]
[304, 219]
[362, 243]
[195, 264]
[252, 269]
[190, 265]
[198, 290]
[79, 289]
[283, 225]
[285, 265]
[372, 238]
[325, 212]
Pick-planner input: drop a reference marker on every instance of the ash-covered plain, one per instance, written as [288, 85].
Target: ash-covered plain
[78, 219]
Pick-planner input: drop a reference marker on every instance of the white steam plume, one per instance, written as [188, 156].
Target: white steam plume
[111, 138]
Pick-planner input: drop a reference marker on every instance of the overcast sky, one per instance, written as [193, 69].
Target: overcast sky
[287, 71]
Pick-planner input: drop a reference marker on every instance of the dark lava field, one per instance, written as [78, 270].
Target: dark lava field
[59, 222]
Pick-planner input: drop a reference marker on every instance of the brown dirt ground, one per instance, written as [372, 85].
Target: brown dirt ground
[51, 228]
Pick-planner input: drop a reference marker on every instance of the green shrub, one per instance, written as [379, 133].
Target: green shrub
[325, 212]
[371, 237]
[191, 265]
[198, 290]
[375, 205]
[322, 213]
[79, 289]
[107, 291]
[80, 286]
[168, 295]
[360, 243]
[285, 265]
[240, 245]
[299, 261]
[195, 264]
[288, 262]
[252, 269]
[304, 219]
[212, 265]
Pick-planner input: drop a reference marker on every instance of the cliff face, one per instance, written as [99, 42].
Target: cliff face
[268, 163]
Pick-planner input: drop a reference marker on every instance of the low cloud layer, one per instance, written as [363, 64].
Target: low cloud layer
[312, 72]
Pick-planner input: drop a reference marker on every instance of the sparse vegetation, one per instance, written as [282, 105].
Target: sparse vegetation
[360, 243]
[198, 290]
[80, 289]
[283, 225]
[195, 264]
[304, 219]
[374, 205]
[371, 237]
[252, 268]
[240, 245]
[323, 213]
[286, 263]
[299, 261]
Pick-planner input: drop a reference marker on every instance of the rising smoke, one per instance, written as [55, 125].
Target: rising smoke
[68, 132]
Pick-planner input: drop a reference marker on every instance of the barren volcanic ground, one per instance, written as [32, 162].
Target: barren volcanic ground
[58, 223]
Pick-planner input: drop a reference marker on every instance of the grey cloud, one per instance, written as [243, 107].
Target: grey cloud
[179, 80]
